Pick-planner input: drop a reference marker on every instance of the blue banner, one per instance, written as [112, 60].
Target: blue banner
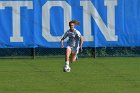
[42, 23]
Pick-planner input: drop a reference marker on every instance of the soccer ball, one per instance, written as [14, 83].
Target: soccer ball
[67, 68]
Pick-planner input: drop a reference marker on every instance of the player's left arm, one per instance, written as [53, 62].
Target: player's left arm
[81, 43]
[81, 40]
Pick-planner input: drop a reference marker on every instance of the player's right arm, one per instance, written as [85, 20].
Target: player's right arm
[62, 40]
[62, 45]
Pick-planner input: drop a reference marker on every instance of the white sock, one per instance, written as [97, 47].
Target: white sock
[67, 63]
[75, 57]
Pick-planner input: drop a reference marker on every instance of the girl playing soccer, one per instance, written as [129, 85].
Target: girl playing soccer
[75, 42]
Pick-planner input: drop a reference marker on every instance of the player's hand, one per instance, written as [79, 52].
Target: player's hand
[62, 46]
[61, 43]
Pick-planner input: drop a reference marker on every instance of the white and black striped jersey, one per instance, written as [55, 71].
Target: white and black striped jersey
[74, 38]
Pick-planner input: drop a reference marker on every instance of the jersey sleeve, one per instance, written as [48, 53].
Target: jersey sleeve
[65, 35]
[78, 34]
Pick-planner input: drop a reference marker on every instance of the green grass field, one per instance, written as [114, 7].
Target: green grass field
[88, 75]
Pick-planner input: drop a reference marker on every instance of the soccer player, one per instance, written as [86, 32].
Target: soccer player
[74, 42]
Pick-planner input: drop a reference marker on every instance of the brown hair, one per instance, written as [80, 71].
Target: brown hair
[75, 22]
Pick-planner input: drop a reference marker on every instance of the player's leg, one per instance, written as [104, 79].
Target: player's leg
[73, 57]
[67, 55]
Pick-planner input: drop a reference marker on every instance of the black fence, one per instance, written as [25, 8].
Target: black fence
[60, 52]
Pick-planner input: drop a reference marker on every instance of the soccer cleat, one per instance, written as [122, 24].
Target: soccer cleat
[76, 57]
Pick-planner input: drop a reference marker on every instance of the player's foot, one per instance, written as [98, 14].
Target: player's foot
[66, 68]
[76, 57]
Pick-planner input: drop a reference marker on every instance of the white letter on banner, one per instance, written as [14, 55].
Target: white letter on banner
[46, 19]
[90, 10]
[16, 16]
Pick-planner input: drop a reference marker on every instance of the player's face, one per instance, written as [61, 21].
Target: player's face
[72, 26]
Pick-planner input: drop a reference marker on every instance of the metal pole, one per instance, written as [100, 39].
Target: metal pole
[94, 52]
[33, 51]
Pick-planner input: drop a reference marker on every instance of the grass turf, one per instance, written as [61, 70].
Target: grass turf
[88, 75]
